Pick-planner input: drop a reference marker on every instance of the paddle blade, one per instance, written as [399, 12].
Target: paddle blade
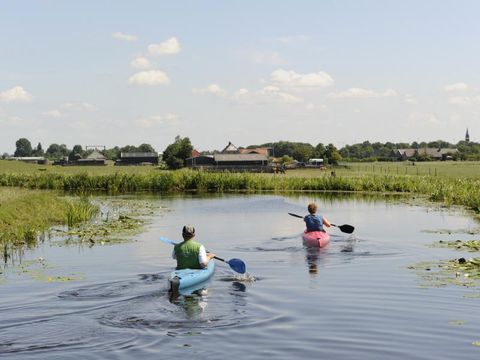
[346, 228]
[167, 241]
[295, 215]
[237, 265]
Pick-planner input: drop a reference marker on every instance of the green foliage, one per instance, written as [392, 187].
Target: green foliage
[175, 154]
[80, 211]
[23, 148]
[56, 151]
[26, 213]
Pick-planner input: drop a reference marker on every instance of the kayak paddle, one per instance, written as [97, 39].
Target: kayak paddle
[235, 264]
[343, 228]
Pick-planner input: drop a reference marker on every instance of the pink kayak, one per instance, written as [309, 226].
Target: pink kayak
[315, 238]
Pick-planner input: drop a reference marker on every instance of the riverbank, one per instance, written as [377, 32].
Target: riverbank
[462, 191]
[26, 213]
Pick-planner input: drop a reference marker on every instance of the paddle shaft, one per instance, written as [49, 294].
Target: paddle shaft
[344, 228]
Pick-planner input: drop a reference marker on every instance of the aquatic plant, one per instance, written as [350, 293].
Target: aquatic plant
[26, 214]
[80, 211]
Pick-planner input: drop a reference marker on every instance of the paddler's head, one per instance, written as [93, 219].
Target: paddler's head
[312, 208]
[188, 232]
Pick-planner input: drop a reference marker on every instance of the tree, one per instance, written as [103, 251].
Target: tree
[175, 154]
[23, 148]
[38, 151]
[56, 151]
[77, 149]
[146, 148]
[319, 152]
[332, 154]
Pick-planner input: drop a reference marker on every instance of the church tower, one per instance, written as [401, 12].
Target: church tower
[467, 136]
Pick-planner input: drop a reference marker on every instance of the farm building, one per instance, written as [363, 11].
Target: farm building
[150, 158]
[432, 153]
[95, 158]
[31, 159]
[232, 159]
[200, 161]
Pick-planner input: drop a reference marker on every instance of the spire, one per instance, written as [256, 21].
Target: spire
[467, 136]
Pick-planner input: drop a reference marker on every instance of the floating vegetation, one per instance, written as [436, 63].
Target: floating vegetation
[469, 245]
[457, 322]
[40, 270]
[450, 231]
[460, 272]
[117, 222]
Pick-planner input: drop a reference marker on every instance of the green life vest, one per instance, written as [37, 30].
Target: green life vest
[187, 255]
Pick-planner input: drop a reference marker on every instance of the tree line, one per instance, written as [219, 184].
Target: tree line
[176, 153]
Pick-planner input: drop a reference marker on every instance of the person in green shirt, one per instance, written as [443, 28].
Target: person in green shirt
[189, 253]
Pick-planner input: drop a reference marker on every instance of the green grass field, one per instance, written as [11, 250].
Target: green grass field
[442, 169]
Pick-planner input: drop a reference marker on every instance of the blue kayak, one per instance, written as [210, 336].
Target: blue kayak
[186, 278]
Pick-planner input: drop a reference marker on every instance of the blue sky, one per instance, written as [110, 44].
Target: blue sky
[131, 72]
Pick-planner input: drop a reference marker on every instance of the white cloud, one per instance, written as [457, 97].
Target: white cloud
[78, 106]
[151, 121]
[214, 89]
[294, 80]
[151, 78]
[269, 58]
[12, 120]
[141, 63]
[124, 37]
[56, 114]
[410, 99]
[358, 93]
[293, 39]
[464, 100]
[15, 94]
[168, 47]
[423, 118]
[78, 125]
[456, 87]
[241, 92]
[268, 95]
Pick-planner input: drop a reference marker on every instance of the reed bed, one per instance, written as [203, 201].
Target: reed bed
[450, 191]
[25, 214]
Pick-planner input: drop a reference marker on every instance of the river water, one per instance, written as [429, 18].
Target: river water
[354, 299]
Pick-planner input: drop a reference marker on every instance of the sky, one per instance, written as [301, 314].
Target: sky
[118, 72]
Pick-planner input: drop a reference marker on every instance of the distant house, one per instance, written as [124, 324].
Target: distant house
[138, 158]
[432, 153]
[267, 151]
[30, 159]
[200, 161]
[316, 163]
[230, 149]
[232, 158]
[95, 158]
[195, 153]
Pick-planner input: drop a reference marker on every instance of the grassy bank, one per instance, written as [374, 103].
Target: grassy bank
[26, 213]
[460, 191]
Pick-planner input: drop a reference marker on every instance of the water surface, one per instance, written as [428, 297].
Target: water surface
[354, 299]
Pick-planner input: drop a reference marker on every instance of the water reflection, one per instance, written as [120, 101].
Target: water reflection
[311, 257]
[194, 303]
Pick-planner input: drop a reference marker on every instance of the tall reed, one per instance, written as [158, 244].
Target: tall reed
[451, 191]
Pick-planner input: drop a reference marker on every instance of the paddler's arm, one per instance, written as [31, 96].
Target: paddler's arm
[326, 222]
[203, 257]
